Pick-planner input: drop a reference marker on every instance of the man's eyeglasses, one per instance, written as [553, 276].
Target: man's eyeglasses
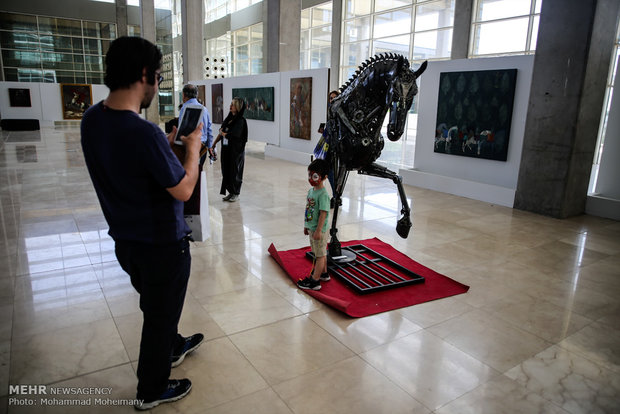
[160, 79]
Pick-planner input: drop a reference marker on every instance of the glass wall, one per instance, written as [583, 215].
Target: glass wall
[602, 131]
[163, 39]
[50, 49]
[216, 9]
[417, 29]
[236, 53]
[420, 30]
[504, 27]
[316, 37]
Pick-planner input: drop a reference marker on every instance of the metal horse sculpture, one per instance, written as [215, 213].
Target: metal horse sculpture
[383, 83]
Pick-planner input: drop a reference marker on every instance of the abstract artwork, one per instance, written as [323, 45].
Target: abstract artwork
[474, 113]
[301, 107]
[217, 103]
[19, 97]
[76, 98]
[258, 102]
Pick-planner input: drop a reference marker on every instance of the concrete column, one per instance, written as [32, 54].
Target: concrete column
[462, 28]
[271, 35]
[575, 41]
[290, 27]
[147, 31]
[121, 18]
[192, 18]
[337, 17]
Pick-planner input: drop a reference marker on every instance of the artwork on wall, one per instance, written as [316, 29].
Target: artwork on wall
[258, 102]
[202, 95]
[19, 97]
[301, 107]
[76, 98]
[217, 103]
[474, 113]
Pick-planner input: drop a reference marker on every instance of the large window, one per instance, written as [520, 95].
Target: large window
[216, 9]
[316, 37]
[505, 27]
[237, 53]
[602, 131]
[420, 30]
[50, 49]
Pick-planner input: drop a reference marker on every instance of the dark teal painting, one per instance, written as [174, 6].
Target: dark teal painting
[474, 113]
[258, 102]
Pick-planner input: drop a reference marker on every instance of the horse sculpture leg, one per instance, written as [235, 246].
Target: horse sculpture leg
[341, 179]
[403, 225]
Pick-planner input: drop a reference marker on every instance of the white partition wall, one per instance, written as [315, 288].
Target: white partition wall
[45, 100]
[481, 179]
[276, 133]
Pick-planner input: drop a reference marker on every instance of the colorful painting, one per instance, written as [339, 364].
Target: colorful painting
[76, 98]
[217, 103]
[258, 102]
[474, 113]
[301, 108]
[19, 97]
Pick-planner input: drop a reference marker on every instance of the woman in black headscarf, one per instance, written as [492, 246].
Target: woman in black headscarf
[234, 135]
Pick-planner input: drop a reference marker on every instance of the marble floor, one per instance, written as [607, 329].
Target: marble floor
[538, 332]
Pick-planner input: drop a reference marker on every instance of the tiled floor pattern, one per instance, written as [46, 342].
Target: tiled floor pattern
[538, 332]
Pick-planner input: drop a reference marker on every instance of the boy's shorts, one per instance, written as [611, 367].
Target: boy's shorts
[319, 247]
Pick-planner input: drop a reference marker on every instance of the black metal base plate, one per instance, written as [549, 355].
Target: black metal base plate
[367, 271]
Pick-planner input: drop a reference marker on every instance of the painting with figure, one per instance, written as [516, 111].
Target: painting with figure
[217, 103]
[258, 102]
[301, 107]
[76, 99]
[201, 95]
[474, 113]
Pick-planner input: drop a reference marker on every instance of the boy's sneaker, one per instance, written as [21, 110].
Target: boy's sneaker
[309, 283]
[176, 390]
[325, 277]
[190, 345]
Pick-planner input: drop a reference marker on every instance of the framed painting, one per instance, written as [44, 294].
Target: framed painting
[19, 97]
[474, 113]
[301, 107]
[258, 102]
[201, 95]
[76, 99]
[217, 103]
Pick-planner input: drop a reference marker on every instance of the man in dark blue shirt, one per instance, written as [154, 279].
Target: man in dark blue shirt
[141, 186]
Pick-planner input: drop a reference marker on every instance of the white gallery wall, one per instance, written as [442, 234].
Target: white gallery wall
[481, 179]
[45, 99]
[276, 133]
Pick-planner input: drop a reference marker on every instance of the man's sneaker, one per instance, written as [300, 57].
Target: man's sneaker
[190, 345]
[176, 390]
[227, 197]
[234, 198]
[309, 283]
[325, 277]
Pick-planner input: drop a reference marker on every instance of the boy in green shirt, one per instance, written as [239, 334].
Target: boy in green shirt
[317, 212]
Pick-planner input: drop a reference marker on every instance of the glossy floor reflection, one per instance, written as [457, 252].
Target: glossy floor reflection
[538, 332]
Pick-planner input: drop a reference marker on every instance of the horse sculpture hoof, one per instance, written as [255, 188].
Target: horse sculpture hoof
[403, 226]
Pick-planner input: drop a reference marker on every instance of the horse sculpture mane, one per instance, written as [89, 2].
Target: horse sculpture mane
[382, 83]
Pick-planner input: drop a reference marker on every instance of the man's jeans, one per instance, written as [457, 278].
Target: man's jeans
[160, 275]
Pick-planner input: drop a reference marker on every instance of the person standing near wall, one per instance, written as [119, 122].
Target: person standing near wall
[234, 135]
[141, 186]
[190, 97]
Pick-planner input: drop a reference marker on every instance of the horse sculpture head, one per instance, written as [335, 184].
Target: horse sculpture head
[383, 82]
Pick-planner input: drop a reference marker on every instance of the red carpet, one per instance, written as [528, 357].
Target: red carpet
[339, 296]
